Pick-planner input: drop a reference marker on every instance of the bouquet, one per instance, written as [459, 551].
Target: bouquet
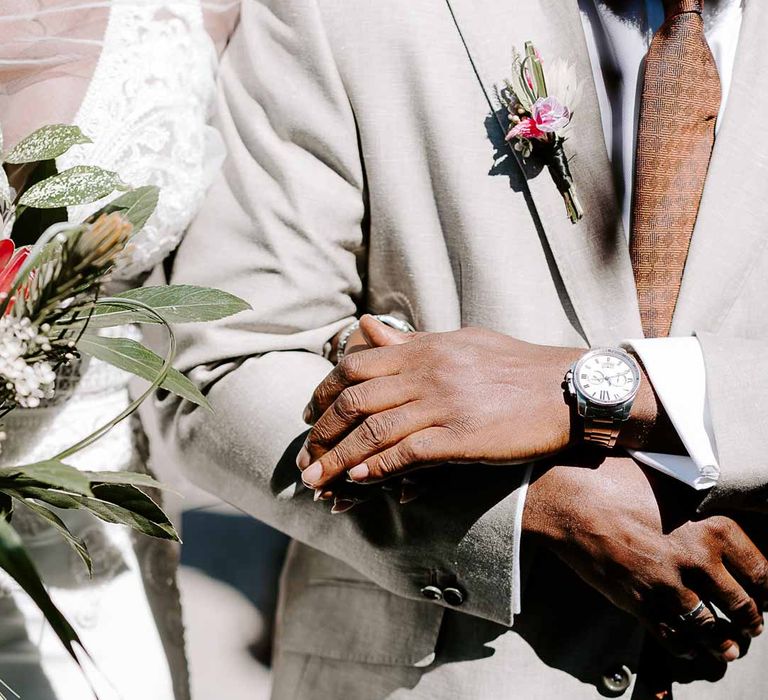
[539, 116]
[51, 312]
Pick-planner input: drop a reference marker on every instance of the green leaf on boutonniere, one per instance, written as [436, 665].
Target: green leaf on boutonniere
[136, 206]
[175, 303]
[51, 474]
[17, 564]
[82, 184]
[48, 142]
[133, 357]
[536, 70]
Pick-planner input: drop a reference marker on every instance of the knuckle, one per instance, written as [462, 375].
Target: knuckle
[375, 431]
[740, 603]
[348, 405]
[388, 464]
[720, 527]
[760, 574]
[348, 368]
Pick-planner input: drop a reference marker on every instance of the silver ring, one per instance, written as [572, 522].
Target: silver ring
[692, 614]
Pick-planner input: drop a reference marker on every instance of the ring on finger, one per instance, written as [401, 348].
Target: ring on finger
[694, 613]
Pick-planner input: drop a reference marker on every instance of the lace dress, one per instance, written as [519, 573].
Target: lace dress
[138, 77]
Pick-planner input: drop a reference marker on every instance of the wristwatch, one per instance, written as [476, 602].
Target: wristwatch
[603, 383]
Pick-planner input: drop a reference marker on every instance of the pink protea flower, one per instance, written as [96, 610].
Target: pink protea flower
[526, 128]
[550, 114]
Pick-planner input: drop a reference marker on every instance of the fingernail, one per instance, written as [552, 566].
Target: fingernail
[342, 505]
[730, 654]
[307, 415]
[359, 473]
[757, 631]
[303, 458]
[312, 473]
[325, 495]
[317, 495]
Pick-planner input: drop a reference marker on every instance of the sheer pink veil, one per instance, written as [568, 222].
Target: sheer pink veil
[50, 49]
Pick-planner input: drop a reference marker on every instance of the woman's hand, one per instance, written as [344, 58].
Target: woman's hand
[471, 395]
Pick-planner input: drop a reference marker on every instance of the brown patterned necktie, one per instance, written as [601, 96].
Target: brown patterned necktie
[678, 110]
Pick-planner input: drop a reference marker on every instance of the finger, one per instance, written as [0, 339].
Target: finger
[352, 406]
[736, 604]
[378, 334]
[374, 434]
[749, 566]
[680, 631]
[352, 369]
[424, 448]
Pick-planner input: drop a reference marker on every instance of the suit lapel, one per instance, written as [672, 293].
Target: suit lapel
[592, 256]
[731, 228]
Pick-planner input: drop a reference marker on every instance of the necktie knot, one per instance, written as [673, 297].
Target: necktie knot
[672, 8]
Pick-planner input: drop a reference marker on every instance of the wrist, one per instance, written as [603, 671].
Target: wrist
[648, 426]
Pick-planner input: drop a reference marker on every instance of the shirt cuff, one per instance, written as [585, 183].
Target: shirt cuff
[517, 582]
[675, 367]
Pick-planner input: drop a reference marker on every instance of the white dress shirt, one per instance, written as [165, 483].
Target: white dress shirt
[618, 41]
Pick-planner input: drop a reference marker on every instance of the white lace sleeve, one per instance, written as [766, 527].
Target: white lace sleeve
[146, 111]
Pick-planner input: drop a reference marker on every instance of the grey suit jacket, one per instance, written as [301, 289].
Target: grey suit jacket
[366, 172]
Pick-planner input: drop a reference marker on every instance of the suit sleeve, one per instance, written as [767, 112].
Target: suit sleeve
[283, 228]
[737, 395]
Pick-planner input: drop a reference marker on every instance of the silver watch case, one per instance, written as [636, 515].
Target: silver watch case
[586, 406]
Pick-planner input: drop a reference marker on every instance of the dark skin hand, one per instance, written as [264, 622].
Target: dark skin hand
[607, 525]
[478, 396]
[473, 395]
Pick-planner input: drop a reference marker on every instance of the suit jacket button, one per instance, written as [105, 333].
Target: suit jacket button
[432, 593]
[453, 596]
[617, 681]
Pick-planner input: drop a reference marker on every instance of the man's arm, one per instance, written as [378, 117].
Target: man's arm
[282, 228]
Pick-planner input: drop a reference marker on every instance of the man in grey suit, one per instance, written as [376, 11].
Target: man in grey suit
[361, 178]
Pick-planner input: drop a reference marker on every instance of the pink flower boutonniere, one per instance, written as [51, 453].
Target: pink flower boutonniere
[540, 110]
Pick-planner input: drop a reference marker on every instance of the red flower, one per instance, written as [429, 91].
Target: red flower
[11, 261]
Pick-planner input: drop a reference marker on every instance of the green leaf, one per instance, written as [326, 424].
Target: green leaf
[47, 142]
[175, 303]
[131, 506]
[15, 561]
[51, 473]
[120, 504]
[126, 478]
[79, 185]
[136, 206]
[133, 357]
[58, 524]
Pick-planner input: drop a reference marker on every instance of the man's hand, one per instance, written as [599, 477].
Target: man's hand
[608, 525]
[467, 396]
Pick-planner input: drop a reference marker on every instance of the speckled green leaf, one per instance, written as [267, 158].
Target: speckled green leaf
[79, 185]
[136, 206]
[47, 142]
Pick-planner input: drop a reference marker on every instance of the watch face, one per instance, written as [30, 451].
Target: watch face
[607, 377]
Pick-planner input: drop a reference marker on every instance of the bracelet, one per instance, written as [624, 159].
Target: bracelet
[387, 319]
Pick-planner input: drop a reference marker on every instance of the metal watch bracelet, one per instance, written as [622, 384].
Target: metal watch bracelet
[387, 319]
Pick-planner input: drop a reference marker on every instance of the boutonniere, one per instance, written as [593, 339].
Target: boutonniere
[540, 109]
